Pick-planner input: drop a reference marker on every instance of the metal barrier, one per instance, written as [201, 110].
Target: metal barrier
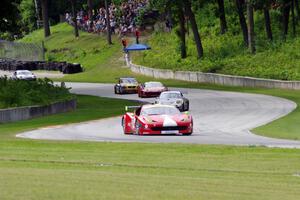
[21, 51]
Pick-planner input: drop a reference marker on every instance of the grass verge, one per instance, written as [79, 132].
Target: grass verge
[88, 108]
[36, 169]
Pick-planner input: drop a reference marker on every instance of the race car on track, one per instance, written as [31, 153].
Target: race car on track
[173, 98]
[156, 120]
[151, 89]
[23, 75]
[126, 85]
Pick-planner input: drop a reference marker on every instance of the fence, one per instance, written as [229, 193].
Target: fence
[21, 51]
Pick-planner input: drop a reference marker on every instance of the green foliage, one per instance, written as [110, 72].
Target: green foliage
[27, 12]
[16, 93]
[227, 53]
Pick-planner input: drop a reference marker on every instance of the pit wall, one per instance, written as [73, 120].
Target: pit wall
[212, 78]
[30, 112]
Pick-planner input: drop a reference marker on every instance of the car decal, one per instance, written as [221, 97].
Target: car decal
[168, 121]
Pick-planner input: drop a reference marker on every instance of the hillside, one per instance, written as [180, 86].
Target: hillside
[227, 54]
[101, 62]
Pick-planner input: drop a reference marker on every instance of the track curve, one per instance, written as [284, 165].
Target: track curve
[219, 118]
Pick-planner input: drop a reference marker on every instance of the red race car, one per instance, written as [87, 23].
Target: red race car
[151, 89]
[157, 120]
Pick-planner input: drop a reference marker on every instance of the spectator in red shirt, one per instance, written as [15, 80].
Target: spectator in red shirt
[137, 35]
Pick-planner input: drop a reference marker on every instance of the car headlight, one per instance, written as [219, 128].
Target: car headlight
[185, 119]
[179, 102]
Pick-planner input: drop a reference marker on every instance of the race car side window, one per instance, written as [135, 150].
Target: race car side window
[138, 111]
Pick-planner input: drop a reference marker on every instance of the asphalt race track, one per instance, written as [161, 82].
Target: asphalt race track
[219, 118]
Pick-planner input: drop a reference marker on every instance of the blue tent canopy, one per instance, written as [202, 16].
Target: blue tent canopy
[137, 47]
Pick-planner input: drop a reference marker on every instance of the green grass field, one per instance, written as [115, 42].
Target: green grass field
[59, 170]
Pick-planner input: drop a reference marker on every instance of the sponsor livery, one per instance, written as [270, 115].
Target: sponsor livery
[126, 85]
[156, 120]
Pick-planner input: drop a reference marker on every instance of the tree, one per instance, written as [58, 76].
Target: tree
[268, 23]
[9, 19]
[191, 15]
[222, 16]
[293, 17]
[90, 9]
[45, 8]
[243, 24]
[175, 7]
[251, 39]
[90, 12]
[286, 8]
[108, 29]
[182, 31]
[297, 6]
[73, 5]
[28, 16]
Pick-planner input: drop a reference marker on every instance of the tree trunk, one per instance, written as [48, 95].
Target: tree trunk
[109, 41]
[297, 9]
[189, 12]
[268, 23]
[90, 9]
[251, 39]
[182, 32]
[222, 16]
[286, 19]
[73, 5]
[90, 12]
[45, 18]
[293, 18]
[239, 5]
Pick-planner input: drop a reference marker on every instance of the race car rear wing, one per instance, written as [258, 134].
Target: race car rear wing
[131, 107]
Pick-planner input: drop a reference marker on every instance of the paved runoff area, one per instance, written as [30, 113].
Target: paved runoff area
[219, 118]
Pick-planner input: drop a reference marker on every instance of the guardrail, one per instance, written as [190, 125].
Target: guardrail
[219, 79]
[30, 112]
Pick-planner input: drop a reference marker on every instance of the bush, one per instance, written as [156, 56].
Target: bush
[16, 93]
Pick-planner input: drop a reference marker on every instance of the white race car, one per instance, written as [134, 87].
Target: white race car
[23, 75]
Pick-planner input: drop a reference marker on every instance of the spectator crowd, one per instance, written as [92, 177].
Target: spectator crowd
[123, 18]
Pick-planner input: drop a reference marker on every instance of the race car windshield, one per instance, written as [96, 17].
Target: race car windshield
[160, 111]
[24, 73]
[153, 84]
[170, 96]
[130, 81]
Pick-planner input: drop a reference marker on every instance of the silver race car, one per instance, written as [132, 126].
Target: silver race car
[174, 98]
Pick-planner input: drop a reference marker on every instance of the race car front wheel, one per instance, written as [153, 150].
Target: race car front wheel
[137, 128]
[124, 126]
[186, 107]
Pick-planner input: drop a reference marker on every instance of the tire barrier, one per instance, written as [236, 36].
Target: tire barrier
[64, 67]
[30, 112]
[218, 79]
